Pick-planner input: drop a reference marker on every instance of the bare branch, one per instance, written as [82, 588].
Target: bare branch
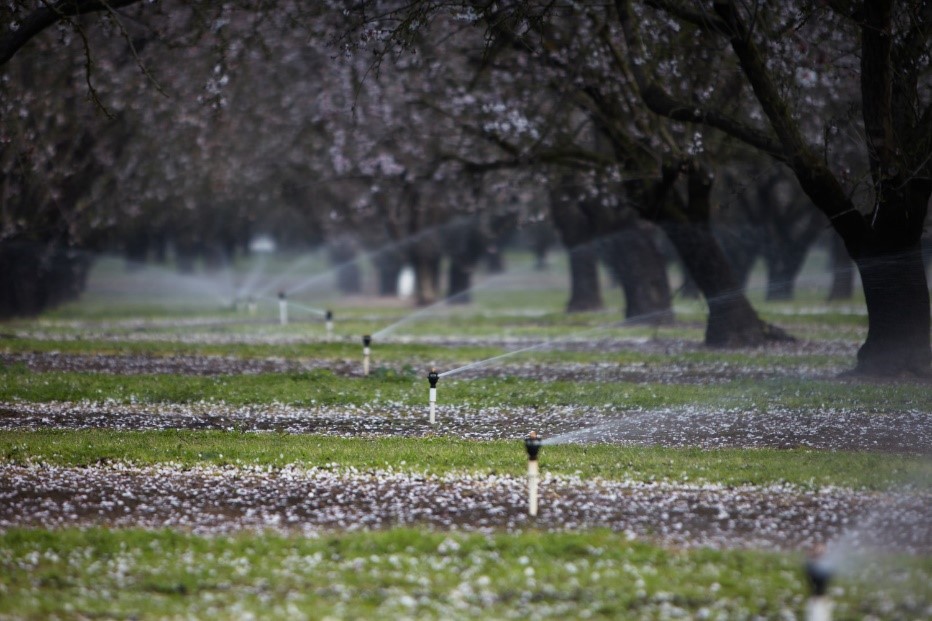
[49, 15]
[661, 102]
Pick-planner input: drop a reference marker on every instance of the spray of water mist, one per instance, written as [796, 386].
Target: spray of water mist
[552, 342]
[219, 290]
[247, 287]
[441, 303]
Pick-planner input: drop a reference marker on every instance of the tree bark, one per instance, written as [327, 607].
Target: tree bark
[640, 267]
[578, 236]
[896, 290]
[459, 276]
[732, 321]
[426, 264]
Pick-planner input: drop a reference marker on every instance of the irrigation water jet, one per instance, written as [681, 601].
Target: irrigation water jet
[282, 308]
[252, 306]
[329, 324]
[366, 351]
[532, 443]
[818, 574]
[432, 377]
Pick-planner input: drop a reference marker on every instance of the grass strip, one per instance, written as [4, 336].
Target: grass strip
[440, 455]
[406, 573]
[322, 387]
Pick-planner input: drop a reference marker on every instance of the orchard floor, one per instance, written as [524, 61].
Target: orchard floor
[223, 500]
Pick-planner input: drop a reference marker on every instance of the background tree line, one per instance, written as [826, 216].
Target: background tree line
[719, 131]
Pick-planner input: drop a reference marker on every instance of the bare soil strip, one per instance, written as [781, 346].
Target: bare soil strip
[298, 501]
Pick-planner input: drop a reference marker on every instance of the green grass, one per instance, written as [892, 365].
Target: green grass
[403, 573]
[322, 387]
[441, 455]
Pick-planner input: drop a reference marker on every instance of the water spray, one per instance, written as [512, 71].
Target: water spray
[282, 308]
[329, 323]
[366, 342]
[532, 443]
[252, 306]
[818, 574]
[432, 377]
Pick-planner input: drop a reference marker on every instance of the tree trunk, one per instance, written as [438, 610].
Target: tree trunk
[897, 297]
[577, 234]
[34, 278]
[426, 277]
[732, 320]
[388, 266]
[640, 268]
[465, 245]
[585, 292]
[460, 282]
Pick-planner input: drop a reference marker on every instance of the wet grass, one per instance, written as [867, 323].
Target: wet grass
[404, 573]
[441, 455]
[322, 387]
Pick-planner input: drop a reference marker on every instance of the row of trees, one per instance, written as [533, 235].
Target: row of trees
[440, 127]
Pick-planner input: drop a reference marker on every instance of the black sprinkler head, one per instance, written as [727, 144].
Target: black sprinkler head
[432, 377]
[281, 295]
[819, 575]
[367, 340]
[532, 443]
[329, 315]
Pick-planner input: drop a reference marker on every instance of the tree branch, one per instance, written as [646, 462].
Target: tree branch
[49, 15]
[662, 103]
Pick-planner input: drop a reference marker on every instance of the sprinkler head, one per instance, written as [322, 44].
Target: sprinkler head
[432, 377]
[532, 443]
[281, 295]
[329, 315]
[366, 340]
[818, 573]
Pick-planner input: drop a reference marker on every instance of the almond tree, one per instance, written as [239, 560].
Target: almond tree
[877, 55]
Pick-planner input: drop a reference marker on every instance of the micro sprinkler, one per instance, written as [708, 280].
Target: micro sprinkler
[282, 308]
[329, 323]
[818, 574]
[366, 342]
[432, 377]
[532, 443]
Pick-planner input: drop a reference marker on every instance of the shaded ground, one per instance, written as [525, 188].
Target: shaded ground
[215, 500]
[704, 427]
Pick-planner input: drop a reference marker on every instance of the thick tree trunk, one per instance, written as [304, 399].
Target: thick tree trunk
[465, 246]
[640, 267]
[426, 277]
[577, 234]
[732, 320]
[897, 297]
[460, 282]
[34, 278]
[585, 292]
